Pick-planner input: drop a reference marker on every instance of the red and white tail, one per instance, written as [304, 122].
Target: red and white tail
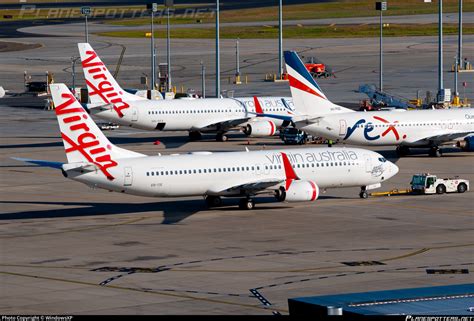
[103, 88]
[83, 141]
[308, 97]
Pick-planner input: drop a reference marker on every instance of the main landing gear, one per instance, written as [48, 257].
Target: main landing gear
[435, 151]
[246, 204]
[221, 137]
[216, 201]
[194, 135]
[213, 201]
[363, 192]
[403, 150]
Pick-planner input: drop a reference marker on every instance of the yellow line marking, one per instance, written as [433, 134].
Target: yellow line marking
[406, 255]
[183, 296]
[135, 220]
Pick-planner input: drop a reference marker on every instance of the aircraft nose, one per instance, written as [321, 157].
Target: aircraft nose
[393, 169]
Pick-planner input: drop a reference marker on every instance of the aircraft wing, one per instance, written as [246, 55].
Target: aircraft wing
[224, 125]
[251, 187]
[443, 138]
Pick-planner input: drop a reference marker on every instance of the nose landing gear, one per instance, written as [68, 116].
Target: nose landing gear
[363, 192]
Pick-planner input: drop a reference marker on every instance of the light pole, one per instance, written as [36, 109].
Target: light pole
[73, 63]
[381, 6]
[440, 46]
[168, 4]
[86, 11]
[154, 8]
[280, 39]
[203, 80]
[456, 94]
[460, 33]
[237, 54]
[218, 60]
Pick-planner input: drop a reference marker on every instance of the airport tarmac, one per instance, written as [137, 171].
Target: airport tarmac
[69, 249]
[410, 63]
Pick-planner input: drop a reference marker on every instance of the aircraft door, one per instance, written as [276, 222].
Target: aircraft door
[342, 127]
[368, 163]
[134, 114]
[127, 176]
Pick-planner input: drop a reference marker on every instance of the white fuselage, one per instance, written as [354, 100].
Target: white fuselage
[409, 128]
[209, 114]
[206, 173]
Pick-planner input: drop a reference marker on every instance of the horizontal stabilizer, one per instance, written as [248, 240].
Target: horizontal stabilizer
[43, 163]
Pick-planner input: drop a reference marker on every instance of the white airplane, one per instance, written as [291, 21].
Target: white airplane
[292, 175]
[217, 115]
[404, 129]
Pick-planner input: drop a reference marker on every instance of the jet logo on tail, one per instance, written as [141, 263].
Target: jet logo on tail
[105, 89]
[86, 143]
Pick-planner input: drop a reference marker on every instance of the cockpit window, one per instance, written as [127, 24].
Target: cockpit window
[382, 159]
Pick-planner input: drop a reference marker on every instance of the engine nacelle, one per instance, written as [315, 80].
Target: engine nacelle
[260, 129]
[300, 191]
[467, 144]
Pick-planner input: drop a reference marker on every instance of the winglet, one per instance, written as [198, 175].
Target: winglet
[258, 107]
[289, 171]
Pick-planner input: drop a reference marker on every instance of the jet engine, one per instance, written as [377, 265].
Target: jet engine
[260, 129]
[467, 144]
[299, 191]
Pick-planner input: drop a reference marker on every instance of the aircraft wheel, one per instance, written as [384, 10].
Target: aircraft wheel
[363, 194]
[280, 194]
[403, 150]
[221, 138]
[194, 135]
[435, 152]
[246, 204]
[213, 201]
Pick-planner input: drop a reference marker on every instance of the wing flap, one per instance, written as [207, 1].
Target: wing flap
[251, 187]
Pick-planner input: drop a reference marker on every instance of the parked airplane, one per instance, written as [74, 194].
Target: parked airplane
[291, 175]
[404, 129]
[217, 115]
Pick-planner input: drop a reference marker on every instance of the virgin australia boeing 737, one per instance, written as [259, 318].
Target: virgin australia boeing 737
[218, 115]
[404, 129]
[292, 175]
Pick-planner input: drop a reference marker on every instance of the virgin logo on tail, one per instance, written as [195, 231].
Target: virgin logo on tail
[104, 89]
[87, 143]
